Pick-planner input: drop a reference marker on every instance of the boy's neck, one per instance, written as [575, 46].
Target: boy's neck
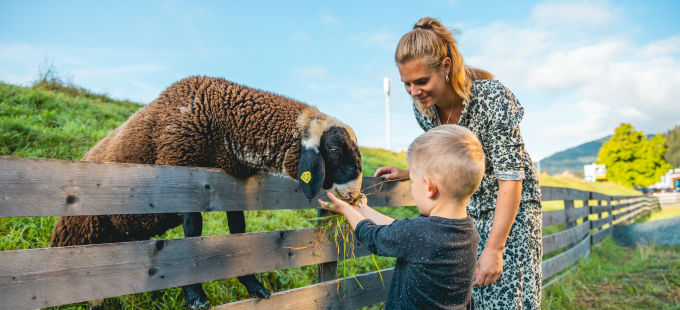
[450, 210]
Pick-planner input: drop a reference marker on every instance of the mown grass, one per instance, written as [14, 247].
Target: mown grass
[43, 122]
[657, 214]
[608, 187]
[619, 278]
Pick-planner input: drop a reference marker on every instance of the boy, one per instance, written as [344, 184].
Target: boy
[437, 251]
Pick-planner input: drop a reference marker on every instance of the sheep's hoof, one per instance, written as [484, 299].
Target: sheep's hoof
[197, 304]
[257, 290]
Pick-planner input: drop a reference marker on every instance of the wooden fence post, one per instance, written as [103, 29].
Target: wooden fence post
[569, 204]
[586, 204]
[610, 209]
[327, 271]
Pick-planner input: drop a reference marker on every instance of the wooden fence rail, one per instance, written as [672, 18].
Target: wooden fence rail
[38, 278]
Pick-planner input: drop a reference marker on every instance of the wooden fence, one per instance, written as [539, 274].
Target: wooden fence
[38, 278]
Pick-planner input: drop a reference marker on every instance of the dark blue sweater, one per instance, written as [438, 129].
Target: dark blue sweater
[436, 260]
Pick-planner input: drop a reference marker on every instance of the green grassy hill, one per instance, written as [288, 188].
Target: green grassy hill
[55, 121]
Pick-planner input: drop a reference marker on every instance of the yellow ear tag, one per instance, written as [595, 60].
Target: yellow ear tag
[306, 176]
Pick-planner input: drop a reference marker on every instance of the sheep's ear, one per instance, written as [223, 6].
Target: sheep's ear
[311, 171]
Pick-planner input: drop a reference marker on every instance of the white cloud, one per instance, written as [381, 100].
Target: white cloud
[593, 80]
[382, 38]
[299, 37]
[579, 13]
[327, 19]
[126, 81]
[309, 72]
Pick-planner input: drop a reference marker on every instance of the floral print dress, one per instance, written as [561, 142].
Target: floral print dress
[493, 114]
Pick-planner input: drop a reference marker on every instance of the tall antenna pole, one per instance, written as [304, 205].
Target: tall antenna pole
[386, 87]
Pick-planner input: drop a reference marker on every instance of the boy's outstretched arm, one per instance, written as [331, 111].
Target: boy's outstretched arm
[363, 209]
[350, 212]
[375, 216]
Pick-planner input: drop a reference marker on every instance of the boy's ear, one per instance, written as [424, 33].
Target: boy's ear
[311, 171]
[432, 189]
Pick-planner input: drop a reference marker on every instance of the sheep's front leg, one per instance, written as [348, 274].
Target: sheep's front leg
[194, 294]
[237, 225]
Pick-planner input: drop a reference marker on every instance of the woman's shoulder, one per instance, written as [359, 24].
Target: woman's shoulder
[489, 88]
[492, 92]
[493, 98]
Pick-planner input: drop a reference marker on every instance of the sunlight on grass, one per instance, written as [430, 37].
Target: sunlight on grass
[658, 214]
[620, 278]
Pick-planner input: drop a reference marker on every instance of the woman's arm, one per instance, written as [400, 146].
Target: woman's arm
[490, 263]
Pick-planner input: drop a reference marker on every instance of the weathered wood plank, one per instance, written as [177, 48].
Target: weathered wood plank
[324, 296]
[627, 203]
[569, 211]
[42, 187]
[555, 217]
[565, 238]
[574, 214]
[595, 224]
[560, 262]
[599, 196]
[633, 213]
[600, 209]
[39, 278]
[599, 235]
[561, 193]
[630, 210]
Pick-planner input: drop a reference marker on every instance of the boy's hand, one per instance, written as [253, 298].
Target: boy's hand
[337, 206]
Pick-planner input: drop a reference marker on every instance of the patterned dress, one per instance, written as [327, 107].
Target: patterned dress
[493, 114]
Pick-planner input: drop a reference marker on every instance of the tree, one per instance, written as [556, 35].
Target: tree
[631, 159]
[673, 143]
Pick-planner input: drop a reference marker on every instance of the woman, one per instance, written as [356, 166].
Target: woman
[506, 208]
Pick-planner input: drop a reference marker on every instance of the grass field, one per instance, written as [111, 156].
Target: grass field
[53, 121]
[619, 278]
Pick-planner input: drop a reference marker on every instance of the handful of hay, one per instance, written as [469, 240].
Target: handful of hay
[336, 229]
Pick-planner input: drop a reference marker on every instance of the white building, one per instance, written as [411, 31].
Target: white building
[594, 172]
[667, 179]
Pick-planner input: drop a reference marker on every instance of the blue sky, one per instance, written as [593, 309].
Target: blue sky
[580, 68]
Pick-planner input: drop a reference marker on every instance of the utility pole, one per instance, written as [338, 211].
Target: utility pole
[386, 88]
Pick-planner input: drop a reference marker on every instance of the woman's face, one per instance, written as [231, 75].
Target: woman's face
[426, 85]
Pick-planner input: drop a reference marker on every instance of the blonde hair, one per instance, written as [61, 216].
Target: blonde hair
[452, 155]
[429, 38]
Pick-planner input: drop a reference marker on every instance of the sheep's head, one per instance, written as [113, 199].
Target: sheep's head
[329, 158]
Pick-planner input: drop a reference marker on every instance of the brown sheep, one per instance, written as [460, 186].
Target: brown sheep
[211, 122]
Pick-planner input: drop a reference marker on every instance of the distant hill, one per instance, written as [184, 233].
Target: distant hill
[573, 159]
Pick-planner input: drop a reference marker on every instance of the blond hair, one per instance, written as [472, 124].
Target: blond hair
[430, 40]
[452, 155]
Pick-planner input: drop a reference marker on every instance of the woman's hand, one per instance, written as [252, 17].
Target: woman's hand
[391, 172]
[489, 267]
